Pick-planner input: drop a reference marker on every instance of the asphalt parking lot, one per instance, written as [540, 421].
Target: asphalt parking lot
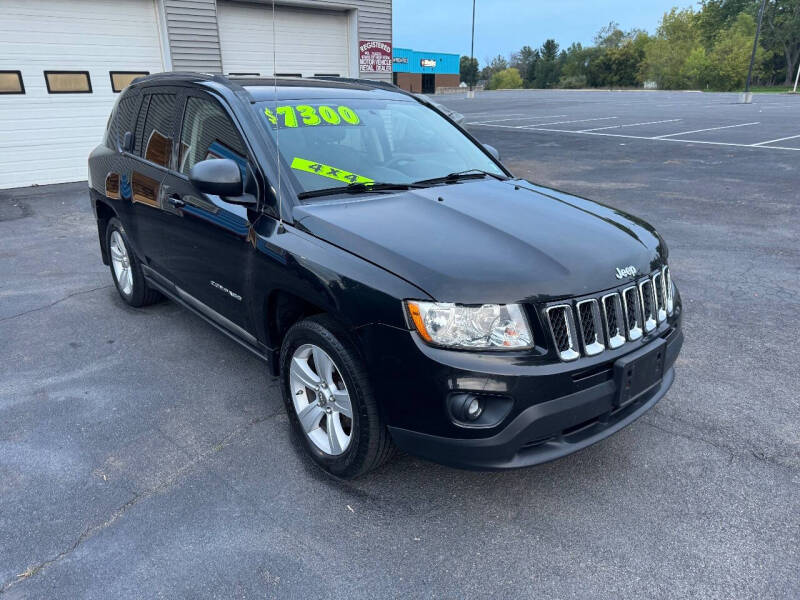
[142, 454]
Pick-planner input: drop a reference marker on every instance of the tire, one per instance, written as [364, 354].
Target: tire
[369, 444]
[129, 281]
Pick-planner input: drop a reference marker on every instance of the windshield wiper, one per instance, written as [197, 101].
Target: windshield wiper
[459, 175]
[357, 188]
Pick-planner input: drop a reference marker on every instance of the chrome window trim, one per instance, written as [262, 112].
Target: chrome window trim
[614, 340]
[596, 346]
[570, 353]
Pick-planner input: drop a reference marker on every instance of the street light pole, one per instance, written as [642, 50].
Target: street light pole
[753, 55]
[472, 49]
[796, 79]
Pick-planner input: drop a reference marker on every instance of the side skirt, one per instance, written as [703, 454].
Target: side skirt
[212, 317]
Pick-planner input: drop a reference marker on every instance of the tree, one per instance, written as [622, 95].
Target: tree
[497, 64]
[665, 55]
[717, 15]
[468, 68]
[525, 62]
[730, 57]
[506, 79]
[548, 67]
[782, 32]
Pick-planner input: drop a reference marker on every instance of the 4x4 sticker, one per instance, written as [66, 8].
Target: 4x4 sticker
[305, 115]
[309, 166]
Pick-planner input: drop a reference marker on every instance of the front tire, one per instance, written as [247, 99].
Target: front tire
[126, 270]
[329, 400]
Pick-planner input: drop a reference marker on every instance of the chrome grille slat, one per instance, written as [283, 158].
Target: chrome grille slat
[648, 304]
[613, 320]
[668, 290]
[632, 306]
[591, 327]
[660, 297]
[562, 328]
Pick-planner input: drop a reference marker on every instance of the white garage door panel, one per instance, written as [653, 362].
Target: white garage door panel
[46, 138]
[308, 42]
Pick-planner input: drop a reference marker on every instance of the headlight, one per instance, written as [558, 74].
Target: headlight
[486, 327]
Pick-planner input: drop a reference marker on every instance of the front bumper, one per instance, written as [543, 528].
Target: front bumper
[555, 412]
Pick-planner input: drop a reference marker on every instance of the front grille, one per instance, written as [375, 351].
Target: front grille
[562, 326]
[592, 325]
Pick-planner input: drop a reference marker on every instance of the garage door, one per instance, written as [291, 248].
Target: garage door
[309, 42]
[46, 136]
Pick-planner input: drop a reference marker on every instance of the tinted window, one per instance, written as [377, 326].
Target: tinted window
[208, 132]
[122, 120]
[157, 133]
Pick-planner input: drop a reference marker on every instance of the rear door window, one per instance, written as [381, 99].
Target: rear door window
[155, 134]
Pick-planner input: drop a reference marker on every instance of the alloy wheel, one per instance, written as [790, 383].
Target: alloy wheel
[121, 263]
[321, 399]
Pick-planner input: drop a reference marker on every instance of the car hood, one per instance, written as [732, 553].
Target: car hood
[483, 241]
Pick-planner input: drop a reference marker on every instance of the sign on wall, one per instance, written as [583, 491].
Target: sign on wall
[427, 62]
[374, 57]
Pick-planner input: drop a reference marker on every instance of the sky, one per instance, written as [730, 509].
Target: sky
[504, 26]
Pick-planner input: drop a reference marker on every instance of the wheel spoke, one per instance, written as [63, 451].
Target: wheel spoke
[128, 279]
[310, 417]
[324, 365]
[336, 435]
[301, 371]
[115, 251]
[343, 405]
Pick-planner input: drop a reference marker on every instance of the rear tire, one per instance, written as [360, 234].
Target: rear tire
[126, 270]
[346, 446]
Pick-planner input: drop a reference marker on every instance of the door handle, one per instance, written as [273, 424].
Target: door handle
[176, 201]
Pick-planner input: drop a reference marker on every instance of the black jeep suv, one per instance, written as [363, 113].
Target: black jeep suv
[407, 289]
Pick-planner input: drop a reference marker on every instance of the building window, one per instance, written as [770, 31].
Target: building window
[244, 74]
[288, 75]
[68, 82]
[122, 79]
[326, 75]
[11, 82]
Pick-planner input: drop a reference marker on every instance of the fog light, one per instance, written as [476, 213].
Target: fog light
[474, 409]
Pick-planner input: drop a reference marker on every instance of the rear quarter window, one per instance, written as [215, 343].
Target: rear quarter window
[122, 120]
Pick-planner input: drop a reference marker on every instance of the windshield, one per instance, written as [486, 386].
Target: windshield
[334, 143]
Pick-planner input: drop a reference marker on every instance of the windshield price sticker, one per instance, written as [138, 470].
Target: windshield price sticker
[305, 115]
[309, 166]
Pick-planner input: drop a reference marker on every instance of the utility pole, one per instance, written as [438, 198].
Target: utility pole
[472, 53]
[748, 97]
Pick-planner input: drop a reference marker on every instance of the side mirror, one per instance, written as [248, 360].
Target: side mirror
[492, 150]
[217, 176]
[127, 142]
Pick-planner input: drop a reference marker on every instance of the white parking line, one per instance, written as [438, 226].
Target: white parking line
[516, 119]
[564, 122]
[658, 137]
[629, 125]
[791, 137]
